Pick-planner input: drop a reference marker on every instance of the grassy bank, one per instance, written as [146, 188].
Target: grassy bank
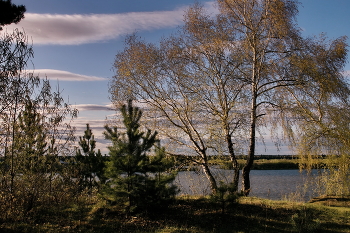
[190, 214]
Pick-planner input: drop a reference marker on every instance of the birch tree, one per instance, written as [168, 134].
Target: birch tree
[232, 72]
[187, 86]
[267, 35]
[277, 61]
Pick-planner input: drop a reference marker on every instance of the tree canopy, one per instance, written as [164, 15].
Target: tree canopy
[221, 78]
[10, 13]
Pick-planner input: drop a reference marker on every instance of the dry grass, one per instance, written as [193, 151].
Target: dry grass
[195, 214]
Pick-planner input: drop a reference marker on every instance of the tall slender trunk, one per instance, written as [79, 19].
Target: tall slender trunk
[13, 142]
[250, 159]
[233, 160]
[208, 174]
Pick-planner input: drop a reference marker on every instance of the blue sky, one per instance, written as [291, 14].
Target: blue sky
[75, 42]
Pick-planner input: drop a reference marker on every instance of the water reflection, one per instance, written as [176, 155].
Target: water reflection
[271, 184]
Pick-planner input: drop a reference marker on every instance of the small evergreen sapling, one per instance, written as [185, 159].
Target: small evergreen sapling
[90, 162]
[30, 142]
[136, 180]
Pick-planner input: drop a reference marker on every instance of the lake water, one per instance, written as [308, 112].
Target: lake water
[270, 184]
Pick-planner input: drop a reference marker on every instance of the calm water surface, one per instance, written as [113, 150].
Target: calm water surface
[271, 184]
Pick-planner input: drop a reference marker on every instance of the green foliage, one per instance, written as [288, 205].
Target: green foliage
[32, 174]
[334, 178]
[30, 142]
[35, 137]
[226, 196]
[325, 144]
[136, 180]
[90, 163]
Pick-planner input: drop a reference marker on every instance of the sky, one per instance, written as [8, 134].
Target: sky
[75, 43]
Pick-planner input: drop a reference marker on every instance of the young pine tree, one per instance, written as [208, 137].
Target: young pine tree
[137, 181]
[29, 163]
[30, 143]
[90, 162]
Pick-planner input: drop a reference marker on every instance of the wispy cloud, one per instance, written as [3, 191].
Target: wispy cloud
[94, 107]
[64, 75]
[81, 29]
